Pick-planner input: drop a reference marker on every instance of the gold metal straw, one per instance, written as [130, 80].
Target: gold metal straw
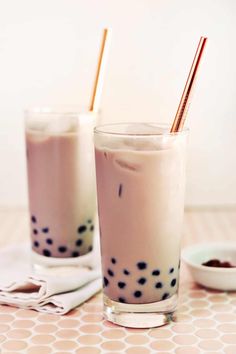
[184, 102]
[98, 83]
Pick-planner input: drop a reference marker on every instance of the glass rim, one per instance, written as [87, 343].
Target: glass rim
[54, 110]
[103, 130]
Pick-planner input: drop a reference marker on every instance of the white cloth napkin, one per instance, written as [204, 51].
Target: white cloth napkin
[56, 291]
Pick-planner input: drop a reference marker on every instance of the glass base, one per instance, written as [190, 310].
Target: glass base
[50, 265]
[155, 314]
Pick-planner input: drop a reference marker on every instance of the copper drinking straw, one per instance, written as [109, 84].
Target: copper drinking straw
[183, 105]
[98, 83]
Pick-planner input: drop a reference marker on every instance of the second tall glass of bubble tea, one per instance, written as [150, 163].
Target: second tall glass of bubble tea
[61, 180]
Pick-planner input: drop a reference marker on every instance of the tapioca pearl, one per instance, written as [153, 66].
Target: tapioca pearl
[142, 281]
[121, 284]
[45, 230]
[171, 270]
[126, 272]
[173, 282]
[137, 293]
[113, 260]
[62, 249]
[36, 244]
[33, 219]
[165, 296]
[159, 285]
[156, 272]
[122, 299]
[110, 272]
[79, 242]
[46, 253]
[49, 241]
[90, 248]
[89, 221]
[141, 265]
[179, 264]
[75, 254]
[91, 228]
[82, 229]
[105, 281]
[35, 231]
[120, 190]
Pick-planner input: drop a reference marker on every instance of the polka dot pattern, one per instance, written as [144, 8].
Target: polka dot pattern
[204, 323]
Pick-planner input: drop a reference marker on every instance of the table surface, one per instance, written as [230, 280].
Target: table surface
[205, 321]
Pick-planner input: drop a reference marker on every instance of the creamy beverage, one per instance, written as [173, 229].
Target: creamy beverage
[140, 185]
[61, 178]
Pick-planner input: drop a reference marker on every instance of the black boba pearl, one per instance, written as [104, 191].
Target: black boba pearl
[105, 281]
[47, 253]
[179, 264]
[126, 272]
[121, 284]
[110, 272]
[158, 285]
[82, 229]
[89, 221]
[171, 270]
[165, 296]
[156, 272]
[113, 260]
[173, 282]
[33, 219]
[141, 265]
[45, 230]
[79, 242]
[90, 248]
[35, 231]
[49, 241]
[121, 299]
[142, 281]
[91, 228]
[36, 244]
[62, 249]
[120, 190]
[137, 293]
[75, 254]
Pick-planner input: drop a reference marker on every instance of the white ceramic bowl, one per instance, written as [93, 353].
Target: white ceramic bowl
[212, 277]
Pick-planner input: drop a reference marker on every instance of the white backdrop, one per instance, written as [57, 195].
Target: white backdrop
[48, 52]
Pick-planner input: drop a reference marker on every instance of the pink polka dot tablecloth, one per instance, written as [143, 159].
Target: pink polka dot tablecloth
[205, 322]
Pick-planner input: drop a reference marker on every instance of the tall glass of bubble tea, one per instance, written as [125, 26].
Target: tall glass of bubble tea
[140, 170]
[61, 184]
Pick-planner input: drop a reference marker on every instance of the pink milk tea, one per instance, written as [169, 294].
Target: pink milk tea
[61, 179]
[140, 186]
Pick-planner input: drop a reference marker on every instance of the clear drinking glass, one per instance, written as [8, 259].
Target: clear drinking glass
[140, 172]
[61, 183]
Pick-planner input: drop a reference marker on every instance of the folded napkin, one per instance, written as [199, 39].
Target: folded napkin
[56, 291]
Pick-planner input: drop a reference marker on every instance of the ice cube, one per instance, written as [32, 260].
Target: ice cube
[60, 125]
[126, 165]
[37, 125]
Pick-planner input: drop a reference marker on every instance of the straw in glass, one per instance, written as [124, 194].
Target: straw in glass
[99, 78]
[185, 99]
